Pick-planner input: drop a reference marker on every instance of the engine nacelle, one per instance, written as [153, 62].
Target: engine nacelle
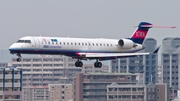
[126, 43]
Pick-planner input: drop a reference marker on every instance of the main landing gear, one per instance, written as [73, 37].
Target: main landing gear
[78, 63]
[97, 64]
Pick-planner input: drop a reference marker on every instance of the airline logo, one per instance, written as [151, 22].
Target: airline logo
[54, 40]
[44, 39]
[140, 34]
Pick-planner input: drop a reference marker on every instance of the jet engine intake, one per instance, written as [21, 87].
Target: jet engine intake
[126, 43]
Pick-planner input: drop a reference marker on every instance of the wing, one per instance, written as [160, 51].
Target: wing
[109, 56]
[104, 55]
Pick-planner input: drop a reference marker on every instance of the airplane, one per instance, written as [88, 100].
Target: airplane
[86, 48]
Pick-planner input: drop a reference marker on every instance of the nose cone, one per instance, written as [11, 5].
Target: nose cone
[12, 48]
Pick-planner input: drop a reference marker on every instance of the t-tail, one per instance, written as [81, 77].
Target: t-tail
[140, 33]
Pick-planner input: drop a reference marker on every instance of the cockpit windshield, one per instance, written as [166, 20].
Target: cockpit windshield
[27, 41]
[20, 41]
[23, 41]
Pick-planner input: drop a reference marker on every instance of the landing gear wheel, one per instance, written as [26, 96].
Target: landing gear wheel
[98, 64]
[78, 64]
[18, 59]
[95, 64]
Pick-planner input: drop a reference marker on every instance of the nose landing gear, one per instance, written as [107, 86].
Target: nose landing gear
[19, 57]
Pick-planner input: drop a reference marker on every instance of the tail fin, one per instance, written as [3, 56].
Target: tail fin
[140, 33]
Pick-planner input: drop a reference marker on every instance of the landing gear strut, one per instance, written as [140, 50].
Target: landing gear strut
[19, 57]
[78, 63]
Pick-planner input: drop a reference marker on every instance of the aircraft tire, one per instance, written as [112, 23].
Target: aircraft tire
[78, 64]
[18, 59]
[99, 64]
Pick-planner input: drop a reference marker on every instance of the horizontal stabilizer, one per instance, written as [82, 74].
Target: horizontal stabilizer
[157, 49]
[155, 26]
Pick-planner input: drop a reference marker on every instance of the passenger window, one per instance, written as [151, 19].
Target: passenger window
[104, 44]
[75, 43]
[96, 44]
[68, 43]
[49, 42]
[60, 43]
[79, 44]
[93, 44]
[71, 43]
[83, 44]
[56, 42]
[64, 43]
[100, 44]
[107, 44]
[86, 44]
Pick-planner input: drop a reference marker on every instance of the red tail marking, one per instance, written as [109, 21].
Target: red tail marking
[140, 34]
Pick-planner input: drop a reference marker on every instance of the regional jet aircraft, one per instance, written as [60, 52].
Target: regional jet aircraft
[85, 48]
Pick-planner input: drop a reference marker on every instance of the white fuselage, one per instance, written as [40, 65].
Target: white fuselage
[68, 46]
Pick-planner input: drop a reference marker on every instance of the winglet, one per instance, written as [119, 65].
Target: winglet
[157, 49]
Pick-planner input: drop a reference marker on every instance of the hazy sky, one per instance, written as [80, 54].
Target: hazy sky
[85, 18]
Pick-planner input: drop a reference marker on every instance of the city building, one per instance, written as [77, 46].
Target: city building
[60, 92]
[149, 92]
[146, 65]
[46, 70]
[40, 71]
[93, 86]
[170, 62]
[3, 64]
[88, 68]
[10, 84]
[159, 74]
[35, 93]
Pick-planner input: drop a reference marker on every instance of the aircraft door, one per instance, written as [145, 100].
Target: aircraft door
[36, 43]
